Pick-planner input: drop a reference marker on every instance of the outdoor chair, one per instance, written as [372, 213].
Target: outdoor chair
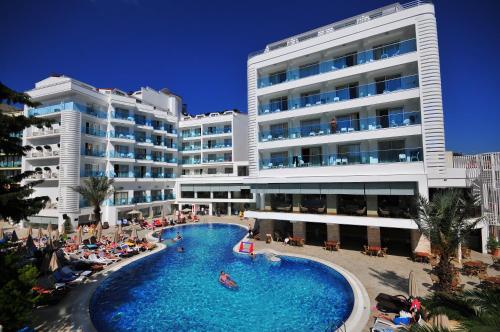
[383, 252]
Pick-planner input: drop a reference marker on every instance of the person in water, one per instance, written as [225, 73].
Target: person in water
[226, 279]
[178, 236]
[180, 249]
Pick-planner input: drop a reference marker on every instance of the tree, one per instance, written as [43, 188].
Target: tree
[95, 190]
[14, 202]
[446, 222]
[475, 310]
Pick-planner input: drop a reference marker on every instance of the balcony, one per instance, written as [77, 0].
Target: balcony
[217, 160]
[143, 122]
[10, 164]
[171, 145]
[218, 131]
[92, 173]
[394, 120]
[217, 146]
[93, 153]
[117, 154]
[143, 156]
[406, 155]
[188, 134]
[366, 56]
[47, 151]
[122, 174]
[122, 116]
[190, 148]
[121, 135]
[42, 132]
[119, 201]
[143, 139]
[191, 161]
[361, 91]
[93, 132]
[58, 107]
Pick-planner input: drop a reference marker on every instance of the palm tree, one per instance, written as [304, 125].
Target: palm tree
[475, 310]
[95, 190]
[446, 221]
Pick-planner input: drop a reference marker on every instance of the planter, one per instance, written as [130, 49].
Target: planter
[495, 252]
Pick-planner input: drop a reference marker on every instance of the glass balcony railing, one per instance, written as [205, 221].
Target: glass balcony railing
[143, 139]
[143, 156]
[171, 160]
[190, 148]
[171, 145]
[119, 201]
[350, 158]
[217, 131]
[121, 135]
[122, 116]
[371, 89]
[393, 120]
[367, 56]
[122, 174]
[118, 154]
[141, 199]
[142, 175]
[186, 134]
[93, 153]
[92, 173]
[10, 163]
[70, 105]
[93, 132]
[217, 160]
[191, 161]
[172, 131]
[168, 196]
[143, 122]
[217, 146]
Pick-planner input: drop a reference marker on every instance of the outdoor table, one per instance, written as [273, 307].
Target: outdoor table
[331, 245]
[374, 250]
[422, 256]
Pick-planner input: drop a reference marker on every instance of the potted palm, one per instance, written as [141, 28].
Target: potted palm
[493, 246]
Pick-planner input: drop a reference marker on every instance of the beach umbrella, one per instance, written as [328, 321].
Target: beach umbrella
[14, 237]
[56, 234]
[134, 212]
[54, 263]
[2, 234]
[49, 231]
[30, 230]
[30, 246]
[117, 236]
[79, 236]
[120, 231]
[134, 233]
[98, 231]
[40, 233]
[412, 285]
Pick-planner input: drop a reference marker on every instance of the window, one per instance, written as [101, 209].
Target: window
[309, 69]
[227, 142]
[279, 130]
[309, 127]
[387, 83]
[228, 170]
[242, 171]
[227, 128]
[212, 157]
[212, 171]
[120, 198]
[279, 158]
[279, 104]
[228, 156]
[348, 123]
[350, 153]
[277, 77]
[310, 98]
[386, 50]
[391, 151]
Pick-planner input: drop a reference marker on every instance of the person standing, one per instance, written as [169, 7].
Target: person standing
[333, 125]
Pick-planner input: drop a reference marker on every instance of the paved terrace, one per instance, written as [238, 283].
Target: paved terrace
[378, 275]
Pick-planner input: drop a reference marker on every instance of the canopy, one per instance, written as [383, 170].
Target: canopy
[30, 246]
[134, 233]
[54, 263]
[134, 212]
[30, 230]
[186, 210]
[14, 237]
[116, 238]
[2, 234]
[40, 233]
[79, 236]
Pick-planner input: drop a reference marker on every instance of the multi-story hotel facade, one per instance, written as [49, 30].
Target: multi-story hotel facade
[131, 138]
[213, 158]
[346, 128]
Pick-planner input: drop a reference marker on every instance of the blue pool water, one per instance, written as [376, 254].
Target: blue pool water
[171, 291]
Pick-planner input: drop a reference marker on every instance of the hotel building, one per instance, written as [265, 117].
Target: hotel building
[346, 128]
[213, 158]
[131, 138]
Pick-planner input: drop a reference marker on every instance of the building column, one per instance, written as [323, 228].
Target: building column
[210, 209]
[484, 238]
[261, 201]
[228, 209]
[373, 236]
[372, 206]
[419, 242]
[296, 203]
[267, 202]
[266, 226]
[299, 229]
[333, 232]
[331, 204]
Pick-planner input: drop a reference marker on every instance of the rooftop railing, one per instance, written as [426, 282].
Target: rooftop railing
[366, 90]
[367, 56]
[349, 22]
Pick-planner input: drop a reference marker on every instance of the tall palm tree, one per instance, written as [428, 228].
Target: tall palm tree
[475, 310]
[446, 221]
[95, 190]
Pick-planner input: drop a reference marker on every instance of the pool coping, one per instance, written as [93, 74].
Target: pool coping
[356, 322]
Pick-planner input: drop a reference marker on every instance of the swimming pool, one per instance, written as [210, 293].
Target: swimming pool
[172, 291]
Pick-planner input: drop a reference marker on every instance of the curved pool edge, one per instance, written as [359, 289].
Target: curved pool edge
[361, 309]
[356, 322]
[81, 319]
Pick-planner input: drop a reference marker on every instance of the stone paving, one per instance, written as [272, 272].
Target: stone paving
[378, 274]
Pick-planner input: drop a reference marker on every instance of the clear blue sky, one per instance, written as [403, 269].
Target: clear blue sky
[199, 49]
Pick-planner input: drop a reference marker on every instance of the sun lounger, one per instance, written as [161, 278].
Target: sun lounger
[383, 325]
[390, 303]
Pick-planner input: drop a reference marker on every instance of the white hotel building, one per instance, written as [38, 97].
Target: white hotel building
[346, 127]
[141, 140]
